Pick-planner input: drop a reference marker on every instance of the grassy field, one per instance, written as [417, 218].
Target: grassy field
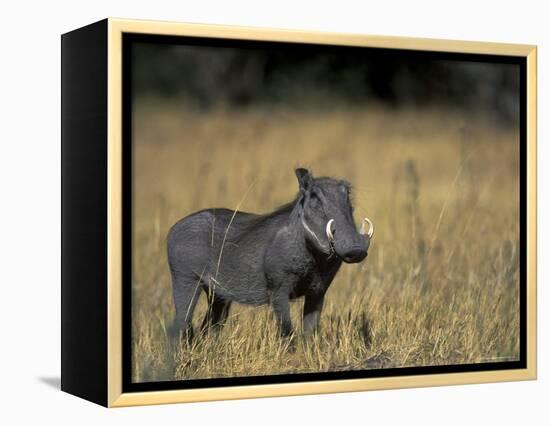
[440, 285]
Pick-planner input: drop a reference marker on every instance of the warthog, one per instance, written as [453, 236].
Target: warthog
[254, 259]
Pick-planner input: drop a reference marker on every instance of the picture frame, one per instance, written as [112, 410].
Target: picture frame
[96, 351]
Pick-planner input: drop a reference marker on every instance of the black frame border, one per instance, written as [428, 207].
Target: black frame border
[127, 187]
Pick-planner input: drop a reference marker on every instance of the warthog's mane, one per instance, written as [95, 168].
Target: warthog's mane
[244, 221]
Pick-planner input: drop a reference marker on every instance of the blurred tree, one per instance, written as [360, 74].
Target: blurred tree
[205, 76]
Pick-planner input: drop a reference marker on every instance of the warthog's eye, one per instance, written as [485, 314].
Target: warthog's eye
[314, 200]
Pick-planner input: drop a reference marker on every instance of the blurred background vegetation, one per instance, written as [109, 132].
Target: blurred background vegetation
[295, 75]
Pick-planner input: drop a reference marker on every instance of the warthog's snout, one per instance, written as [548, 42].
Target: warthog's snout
[354, 247]
[356, 253]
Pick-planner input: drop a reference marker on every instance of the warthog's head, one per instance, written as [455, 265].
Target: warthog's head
[326, 213]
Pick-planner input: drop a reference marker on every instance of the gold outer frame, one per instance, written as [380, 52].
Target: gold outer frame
[116, 27]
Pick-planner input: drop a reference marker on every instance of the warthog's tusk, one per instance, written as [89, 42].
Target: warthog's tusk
[370, 231]
[328, 230]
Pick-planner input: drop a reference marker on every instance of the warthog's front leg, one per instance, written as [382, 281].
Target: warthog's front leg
[281, 307]
[313, 305]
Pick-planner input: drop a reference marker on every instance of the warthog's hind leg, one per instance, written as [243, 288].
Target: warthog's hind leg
[216, 314]
[186, 296]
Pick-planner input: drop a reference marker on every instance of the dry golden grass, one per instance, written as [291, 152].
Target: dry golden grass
[440, 285]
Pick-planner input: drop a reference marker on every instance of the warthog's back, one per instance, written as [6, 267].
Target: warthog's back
[224, 249]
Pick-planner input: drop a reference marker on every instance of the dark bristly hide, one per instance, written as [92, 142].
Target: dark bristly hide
[253, 259]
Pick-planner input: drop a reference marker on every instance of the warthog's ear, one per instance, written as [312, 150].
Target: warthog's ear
[304, 178]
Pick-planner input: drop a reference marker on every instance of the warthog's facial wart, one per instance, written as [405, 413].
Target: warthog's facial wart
[326, 248]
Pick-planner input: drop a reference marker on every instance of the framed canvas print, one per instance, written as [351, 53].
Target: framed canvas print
[255, 212]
